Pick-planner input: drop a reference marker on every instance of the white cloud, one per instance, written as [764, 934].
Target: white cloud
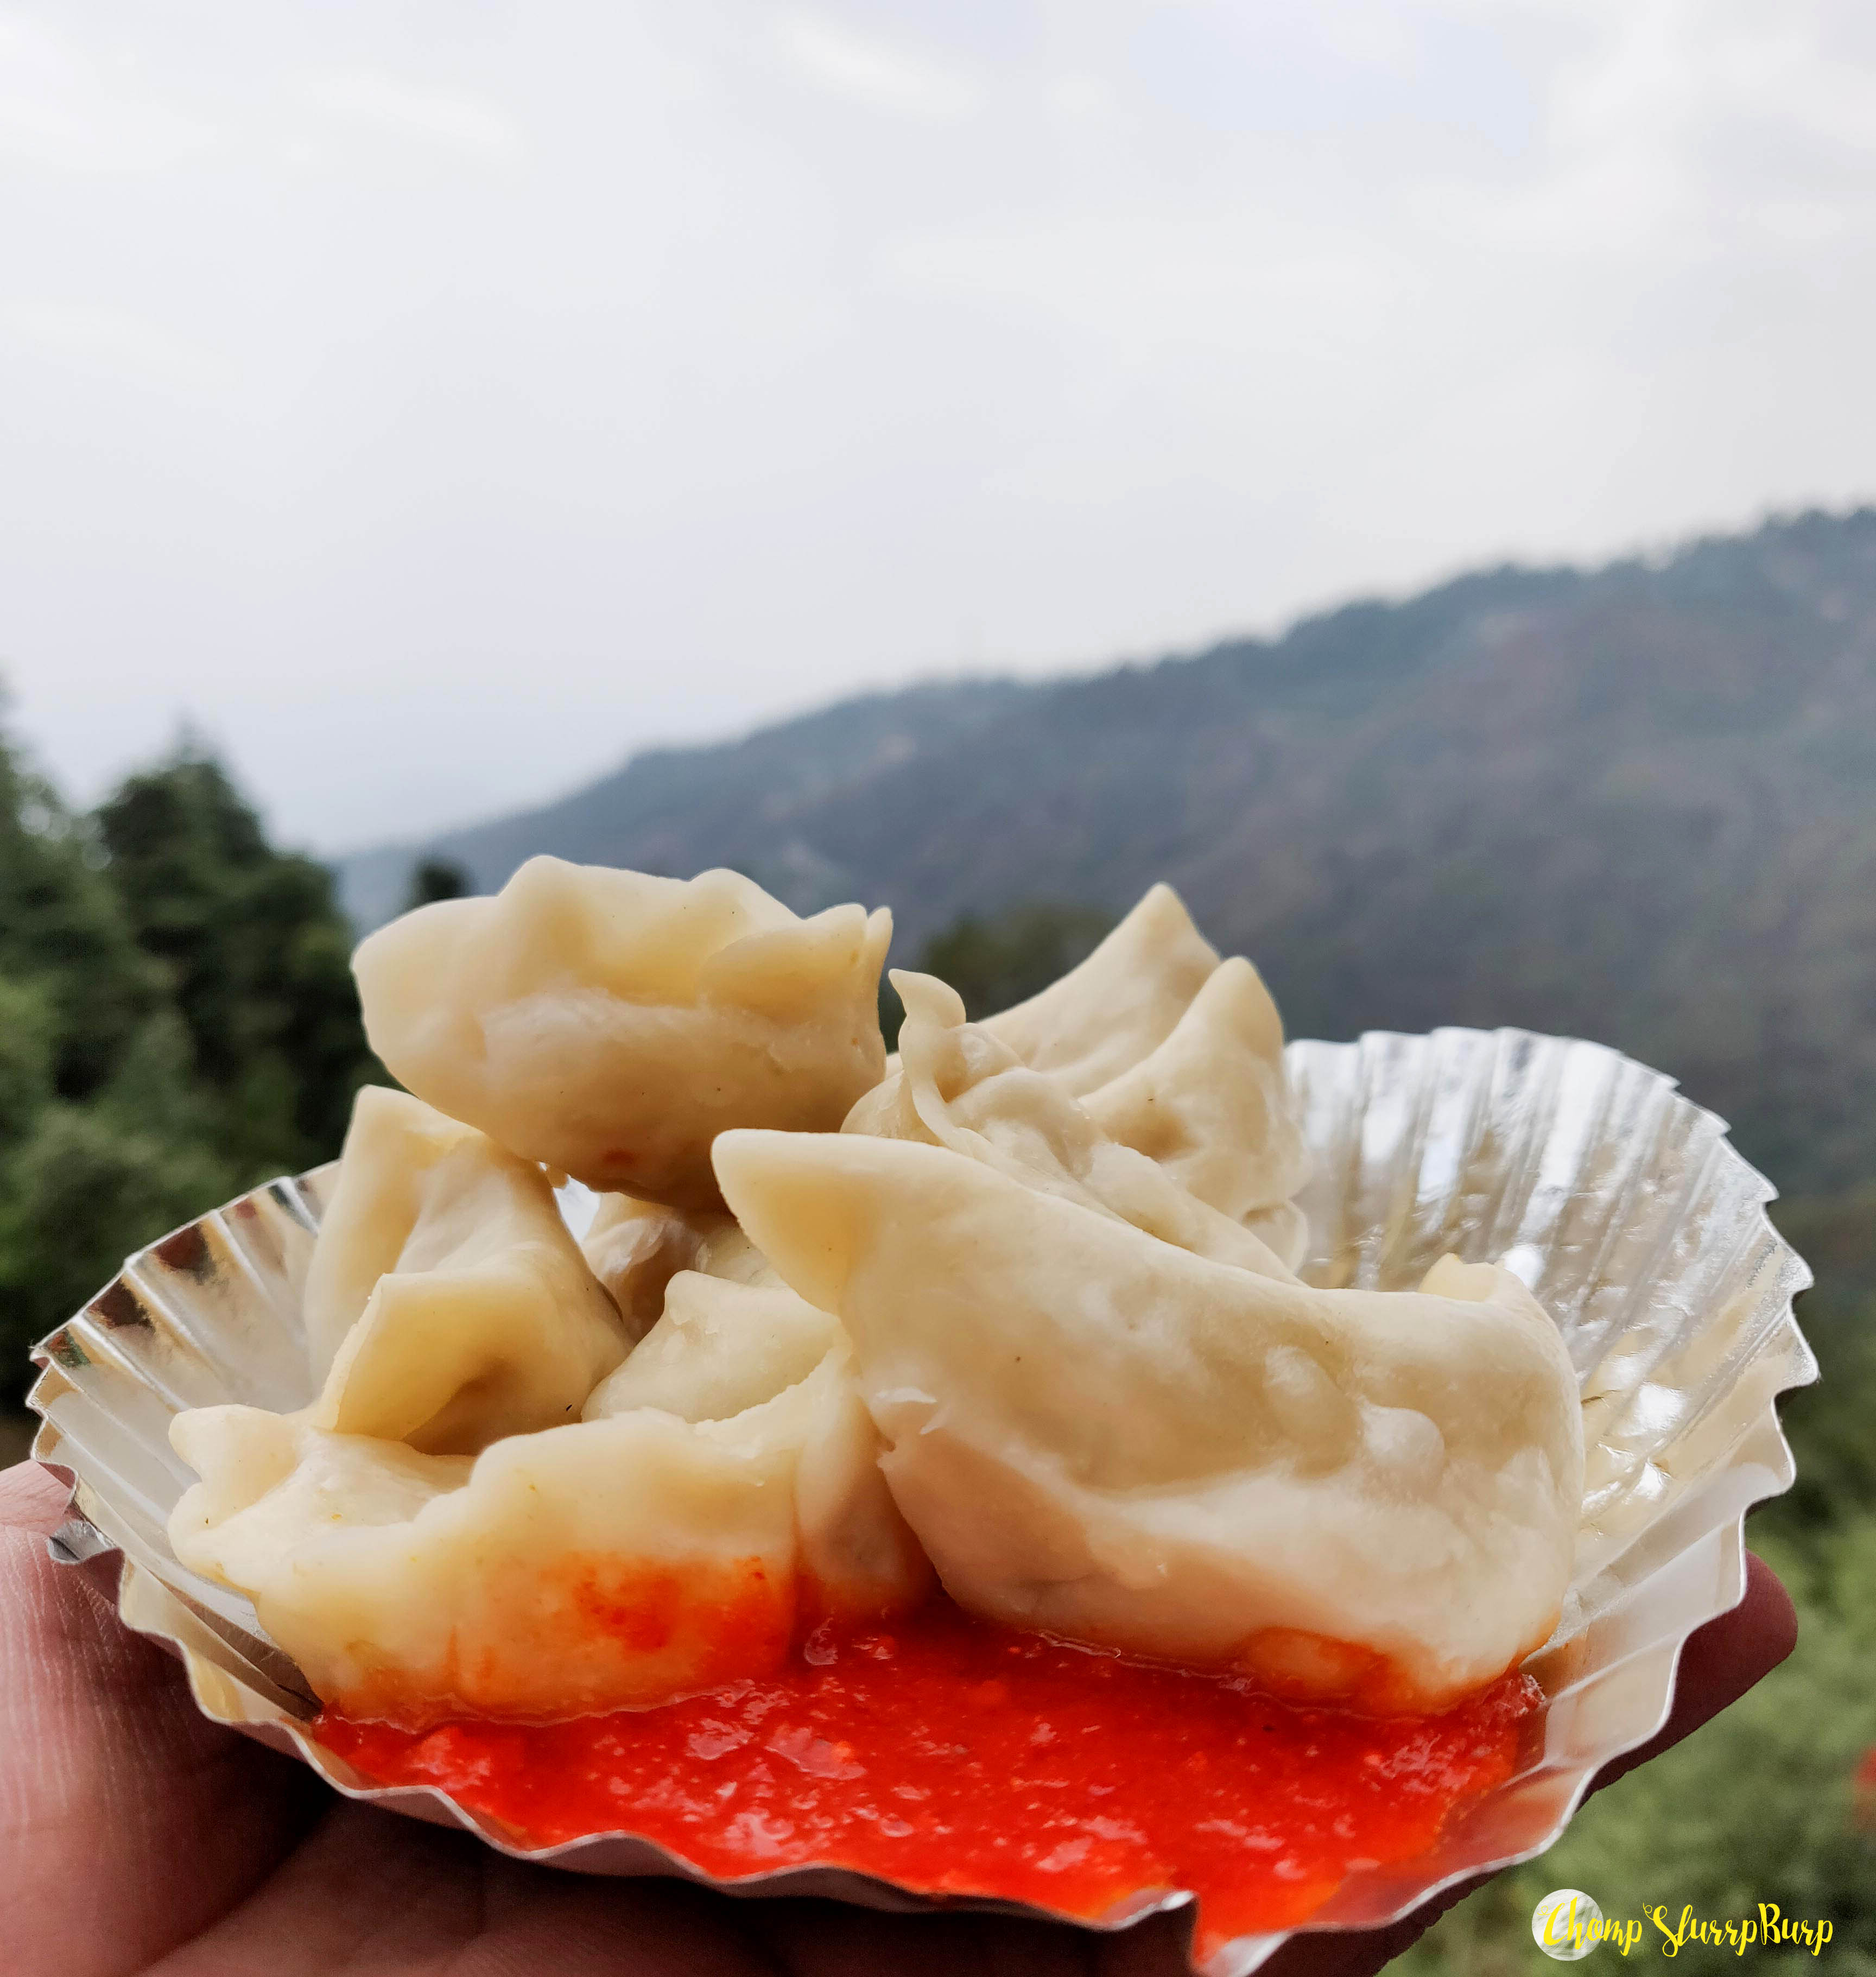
[61, 107]
[1672, 121]
[117, 342]
[900, 80]
[417, 113]
[1083, 98]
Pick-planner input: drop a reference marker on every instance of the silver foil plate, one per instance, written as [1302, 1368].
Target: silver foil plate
[1641, 1230]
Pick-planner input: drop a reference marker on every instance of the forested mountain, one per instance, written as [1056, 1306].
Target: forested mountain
[1635, 802]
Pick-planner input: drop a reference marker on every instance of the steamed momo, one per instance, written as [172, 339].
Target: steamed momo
[959, 1087]
[619, 1561]
[732, 1336]
[1029, 1316]
[699, 1506]
[1179, 1055]
[635, 1248]
[446, 1304]
[609, 1023]
[1359, 1496]
[1174, 1053]
[1112, 1009]
[1209, 1104]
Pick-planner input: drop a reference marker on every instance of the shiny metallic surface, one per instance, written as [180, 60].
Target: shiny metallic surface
[1639, 1229]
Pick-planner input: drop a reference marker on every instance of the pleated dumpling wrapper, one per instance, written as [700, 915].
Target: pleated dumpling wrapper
[1366, 1497]
[660, 1546]
[732, 1337]
[960, 1085]
[635, 1248]
[446, 1304]
[1174, 1053]
[610, 1023]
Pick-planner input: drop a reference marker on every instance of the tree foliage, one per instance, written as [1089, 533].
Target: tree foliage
[433, 879]
[177, 1021]
[256, 956]
[65, 934]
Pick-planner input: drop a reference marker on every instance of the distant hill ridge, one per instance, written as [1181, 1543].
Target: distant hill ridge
[1635, 802]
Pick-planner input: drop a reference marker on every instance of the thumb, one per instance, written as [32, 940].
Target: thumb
[127, 1820]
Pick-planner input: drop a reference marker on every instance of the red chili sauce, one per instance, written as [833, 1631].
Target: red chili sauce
[952, 1756]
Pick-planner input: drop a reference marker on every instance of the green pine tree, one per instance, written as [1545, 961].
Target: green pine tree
[178, 1022]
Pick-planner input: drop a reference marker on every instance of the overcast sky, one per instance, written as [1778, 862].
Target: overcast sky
[436, 400]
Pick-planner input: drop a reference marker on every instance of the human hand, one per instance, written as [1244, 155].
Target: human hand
[136, 1836]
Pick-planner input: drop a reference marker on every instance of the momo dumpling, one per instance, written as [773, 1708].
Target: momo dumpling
[1360, 1497]
[446, 1304]
[960, 1087]
[733, 1336]
[730, 1334]
[716, 1495]
[1175, 1053]
[616, 1562]
[1119, 1004]
[610, 1023]
[1179, 1055]
[1209, 1104]
[730, 1337]
[635, 1248]
[720, 1349]
[649, 1551]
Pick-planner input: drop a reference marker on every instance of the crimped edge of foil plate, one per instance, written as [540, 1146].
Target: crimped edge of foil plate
[1621, 1203]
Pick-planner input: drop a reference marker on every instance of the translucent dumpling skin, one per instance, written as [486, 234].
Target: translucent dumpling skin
[580, 1569]
[1170, 1052]
[1361, 1497]
[609, 1024]
[1111, 1010]
[961, 1086]
[625, 1560]
[490, 1507]
[446, 1304]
